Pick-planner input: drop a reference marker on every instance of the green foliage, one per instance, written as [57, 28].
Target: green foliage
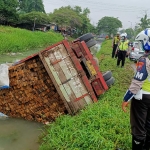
[109, 25]
[38, 17]
[137, 30]
[130, 33]
[31, 5]
[144, 22]
[100, 126]
[8, 11]
[72, 18]
[86, 25]
[18, 40]
[65, 16]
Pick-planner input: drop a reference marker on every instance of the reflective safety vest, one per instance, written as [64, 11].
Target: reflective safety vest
[123, 45]
[146, 84]
[116, 40]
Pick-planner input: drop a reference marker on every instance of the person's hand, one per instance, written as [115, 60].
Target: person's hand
[124, 105]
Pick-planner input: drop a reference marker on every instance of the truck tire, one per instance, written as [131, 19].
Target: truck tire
[107, 75]
[110, 81]
[91, 43]
[86, 37]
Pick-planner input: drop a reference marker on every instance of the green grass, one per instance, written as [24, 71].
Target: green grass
[20, 40]
[100, 126]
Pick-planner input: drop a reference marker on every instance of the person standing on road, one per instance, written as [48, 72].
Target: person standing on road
[139, 94]
[122, 50]
[115, 42]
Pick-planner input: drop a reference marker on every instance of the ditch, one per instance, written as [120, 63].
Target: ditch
[20, 134]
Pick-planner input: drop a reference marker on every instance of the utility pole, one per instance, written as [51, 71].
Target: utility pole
[34, 24]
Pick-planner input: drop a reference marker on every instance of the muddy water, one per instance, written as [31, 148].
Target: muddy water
[14, 57]
[19, 134]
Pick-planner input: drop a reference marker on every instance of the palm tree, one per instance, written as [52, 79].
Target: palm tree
[144, 22]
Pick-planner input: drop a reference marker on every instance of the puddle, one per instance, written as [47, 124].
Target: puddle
[19, 134]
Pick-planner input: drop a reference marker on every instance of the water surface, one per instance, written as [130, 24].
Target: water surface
[19, 134]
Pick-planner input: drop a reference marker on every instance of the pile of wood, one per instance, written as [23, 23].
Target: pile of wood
[31, 95]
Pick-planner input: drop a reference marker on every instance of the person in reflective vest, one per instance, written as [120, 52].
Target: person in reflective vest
[115, 42]
[122, 50]
[139, 95]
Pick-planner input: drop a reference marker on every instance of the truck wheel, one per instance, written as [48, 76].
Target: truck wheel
[86, 37]
[107, 75]
[110, 81]
[91, 43]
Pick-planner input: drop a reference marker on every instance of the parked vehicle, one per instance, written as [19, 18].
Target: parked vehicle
[135, 51]
[135, 55]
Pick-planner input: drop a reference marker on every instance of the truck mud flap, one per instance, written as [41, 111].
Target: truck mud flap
[97, 86]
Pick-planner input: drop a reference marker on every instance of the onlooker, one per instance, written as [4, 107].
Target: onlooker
[122, 49]
[139, 92]
[115, 42]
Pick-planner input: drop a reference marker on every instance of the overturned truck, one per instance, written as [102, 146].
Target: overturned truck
[61, 79]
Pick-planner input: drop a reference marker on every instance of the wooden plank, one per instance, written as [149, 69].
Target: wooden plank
[61, 68]
[63, 80]
[69, 71]
[50, 71]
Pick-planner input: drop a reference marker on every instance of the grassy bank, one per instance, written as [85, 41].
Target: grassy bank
[100, 126]
[19, 40]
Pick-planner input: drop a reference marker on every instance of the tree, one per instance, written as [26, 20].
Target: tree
[109, 25]
[130, 33]
[77, 9]
[144, 22]
[66, 17]
[86, 25]
[122, 31]
[73, 18]
[137, 29]
[8, 11]
[31, 5]
[33, 18]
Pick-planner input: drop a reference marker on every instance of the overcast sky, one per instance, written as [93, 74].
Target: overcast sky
[128, 12]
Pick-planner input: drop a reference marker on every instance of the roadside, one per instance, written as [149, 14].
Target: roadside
[102, 121]
[98, 122]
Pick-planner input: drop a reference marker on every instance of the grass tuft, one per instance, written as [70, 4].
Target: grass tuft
[20, 40]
